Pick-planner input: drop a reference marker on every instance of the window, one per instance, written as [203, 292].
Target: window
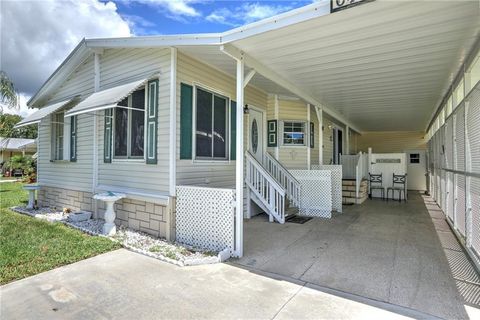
[58, 136]
[211, 125]
[129, 127]
[294, 133]
[414, 158]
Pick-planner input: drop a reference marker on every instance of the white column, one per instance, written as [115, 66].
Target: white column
[239, 162]
[277, 150]
[319, 112]
[96, 83]
[347, 140]
[173, 121]
[309, 150]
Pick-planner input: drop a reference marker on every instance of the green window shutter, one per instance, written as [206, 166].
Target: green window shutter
[186, 116]
[152, 116]
[272, 133]
[107, 140]
[233, 130]
[312, 135]
[73, 138]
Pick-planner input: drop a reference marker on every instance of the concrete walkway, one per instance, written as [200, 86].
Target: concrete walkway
[387, 251]
[126, 285]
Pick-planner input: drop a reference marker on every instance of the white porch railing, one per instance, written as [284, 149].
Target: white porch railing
[285, 178]
[355, 167]
[265, 188]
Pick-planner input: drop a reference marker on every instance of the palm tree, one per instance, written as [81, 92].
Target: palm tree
[8, 93]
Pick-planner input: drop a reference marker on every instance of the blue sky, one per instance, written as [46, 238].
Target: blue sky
[41, 33]
[197, 16]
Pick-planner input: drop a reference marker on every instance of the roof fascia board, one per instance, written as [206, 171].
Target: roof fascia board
[155, 41]
[302, 14]
[76, 57]
[237, 54]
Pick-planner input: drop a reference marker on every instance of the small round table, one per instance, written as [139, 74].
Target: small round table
[109, 198]
[31, 188]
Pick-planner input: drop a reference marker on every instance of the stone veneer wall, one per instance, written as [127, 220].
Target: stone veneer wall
[139, 215]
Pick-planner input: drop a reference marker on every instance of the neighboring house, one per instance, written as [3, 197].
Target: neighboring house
[143, 115]
[10, 147]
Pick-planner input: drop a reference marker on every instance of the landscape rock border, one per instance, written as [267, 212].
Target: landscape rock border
[220, 257]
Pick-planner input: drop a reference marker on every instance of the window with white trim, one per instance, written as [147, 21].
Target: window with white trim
[211, 125]
[129, 127]
[60, 127]
[293, 133]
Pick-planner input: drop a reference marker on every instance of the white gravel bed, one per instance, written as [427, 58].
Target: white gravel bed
[46, 213]
[139, 242]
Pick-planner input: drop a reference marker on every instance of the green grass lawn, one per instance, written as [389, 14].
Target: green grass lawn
[29, 246]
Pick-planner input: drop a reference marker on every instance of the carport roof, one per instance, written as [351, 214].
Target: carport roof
[380, 66]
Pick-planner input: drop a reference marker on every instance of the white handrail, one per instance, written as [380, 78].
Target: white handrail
[265, 187]
[285, 178]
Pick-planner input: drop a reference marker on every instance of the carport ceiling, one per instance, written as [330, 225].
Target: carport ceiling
[383, 65]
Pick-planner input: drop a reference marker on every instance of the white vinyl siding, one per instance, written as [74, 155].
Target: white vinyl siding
[392, 141]
[210, 173]
[119, 66]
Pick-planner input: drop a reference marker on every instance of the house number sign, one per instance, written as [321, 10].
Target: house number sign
[337, 5]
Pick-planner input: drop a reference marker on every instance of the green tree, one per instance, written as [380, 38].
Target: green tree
[8, 93]
[8, 121]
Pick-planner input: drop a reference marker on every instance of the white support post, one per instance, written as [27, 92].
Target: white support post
[347, 140]
[369, 160]
[309, 150]
[240, 160]
[173, 121]
[96, 86]
[277, 150]
[319, 112]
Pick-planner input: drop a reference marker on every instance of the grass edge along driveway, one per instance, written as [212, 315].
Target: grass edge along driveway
[29, 246]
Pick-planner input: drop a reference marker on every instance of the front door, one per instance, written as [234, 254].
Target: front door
[255, 134]
[337, 145]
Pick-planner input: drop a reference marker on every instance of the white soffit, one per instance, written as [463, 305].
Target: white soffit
[37, 116]
[383, 65]
[105, 99]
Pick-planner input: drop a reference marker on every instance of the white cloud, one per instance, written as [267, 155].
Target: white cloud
[246, 13]
[22, 110]
[176, 9]
[36, 36]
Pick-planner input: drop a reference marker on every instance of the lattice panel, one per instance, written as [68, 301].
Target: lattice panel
[460, 138]
[448, 139]
[473, 131]
[460, 203]
[450, 195]
[336, 173]
[475, 213]
[316, 197]
[205, 217]
[443, 190]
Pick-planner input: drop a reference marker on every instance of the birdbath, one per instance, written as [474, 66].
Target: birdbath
[109, 198]
[31, 188]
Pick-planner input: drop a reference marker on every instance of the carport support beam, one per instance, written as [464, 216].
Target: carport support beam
[239, 161]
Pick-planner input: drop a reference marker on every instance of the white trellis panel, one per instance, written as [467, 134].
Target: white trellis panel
[336, 172]
[205, 217]
[450, 187]
[316, 195]
[474, 232]
[460, 221]
[449, 144]
[460, 138]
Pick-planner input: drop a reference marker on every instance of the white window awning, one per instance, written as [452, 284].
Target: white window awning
[37, 116]
[106, 99]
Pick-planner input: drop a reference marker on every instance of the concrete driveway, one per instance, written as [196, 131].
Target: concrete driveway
[387, 251]
[126, 285]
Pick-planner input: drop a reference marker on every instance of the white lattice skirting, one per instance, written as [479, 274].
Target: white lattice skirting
[316, 195]
[336, 171]
[205, 217]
